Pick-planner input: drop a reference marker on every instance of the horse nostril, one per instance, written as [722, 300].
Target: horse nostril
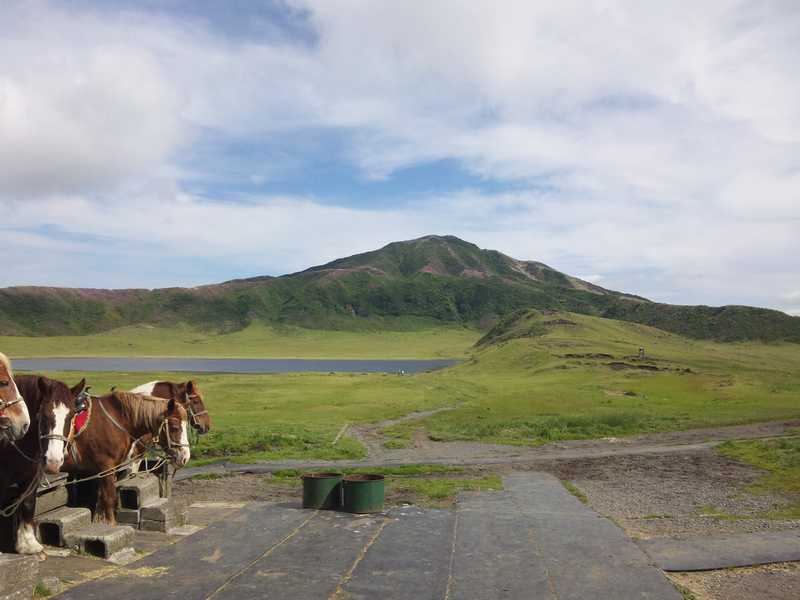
[25, 428]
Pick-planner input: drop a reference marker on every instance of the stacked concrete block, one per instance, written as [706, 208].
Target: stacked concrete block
[52, 494]
[18, 575]
[56, 525]
[162, 515]
[135, 492]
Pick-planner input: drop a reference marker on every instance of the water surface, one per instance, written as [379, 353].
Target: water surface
[229, 365]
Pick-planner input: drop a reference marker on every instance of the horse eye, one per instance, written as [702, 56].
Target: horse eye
[3, 383]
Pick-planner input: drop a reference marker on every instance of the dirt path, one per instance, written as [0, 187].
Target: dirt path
[476, 453]
[373, 440]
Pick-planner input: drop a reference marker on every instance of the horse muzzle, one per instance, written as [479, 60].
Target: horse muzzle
[53, 466]
[179, 456]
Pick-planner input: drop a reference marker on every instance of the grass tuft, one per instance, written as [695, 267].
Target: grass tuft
[575, 491]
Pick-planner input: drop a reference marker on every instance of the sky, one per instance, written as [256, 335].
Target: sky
[648, 147]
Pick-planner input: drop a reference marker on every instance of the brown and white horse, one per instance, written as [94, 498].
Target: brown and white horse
[50, 404]
[188, 394]
[117, 424]
[14, 417]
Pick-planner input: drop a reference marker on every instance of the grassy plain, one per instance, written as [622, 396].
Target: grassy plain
[256, 341]
[546, 377]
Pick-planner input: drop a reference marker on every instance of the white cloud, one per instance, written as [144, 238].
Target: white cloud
[79, 108]
[667, 136]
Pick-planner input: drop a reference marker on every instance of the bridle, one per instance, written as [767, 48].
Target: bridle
[192, 414]
[4, 404]
[82, 403]
[172, 446]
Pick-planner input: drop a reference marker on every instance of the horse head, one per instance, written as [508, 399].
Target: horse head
[14, 417]
[59, 402]
[193, 403]
[174, 434]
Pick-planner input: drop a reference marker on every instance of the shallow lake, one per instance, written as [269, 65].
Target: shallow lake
[228, 365]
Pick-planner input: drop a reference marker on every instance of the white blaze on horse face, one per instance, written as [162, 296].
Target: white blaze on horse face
[26, 540]
[183, 452]
[18, 415]
[54, 457]
[145, 388]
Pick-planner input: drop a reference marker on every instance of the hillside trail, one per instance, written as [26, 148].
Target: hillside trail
[426, 451]
[370, 435]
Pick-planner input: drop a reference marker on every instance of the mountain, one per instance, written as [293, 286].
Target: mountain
[433, 279]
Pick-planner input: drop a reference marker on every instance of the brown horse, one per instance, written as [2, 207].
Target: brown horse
[115, 430]
[51, 404]
[189, 396]
[14, 417]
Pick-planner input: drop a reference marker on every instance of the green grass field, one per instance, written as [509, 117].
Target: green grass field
[543, 382]
[256, 341]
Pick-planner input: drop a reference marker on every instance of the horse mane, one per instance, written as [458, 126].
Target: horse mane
[141, 409]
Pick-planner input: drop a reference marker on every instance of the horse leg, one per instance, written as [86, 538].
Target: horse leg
[106, 500]
[26, 533]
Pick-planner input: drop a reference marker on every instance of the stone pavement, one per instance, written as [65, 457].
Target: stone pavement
[709, 553]
[533, 541]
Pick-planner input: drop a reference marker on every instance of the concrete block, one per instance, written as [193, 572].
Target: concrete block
[162, 526]
[100, 539]
[163, 475]
[164, 509]
[18, 576]
[137, 491]
[128, 516]
[51, 499]
[55, 525]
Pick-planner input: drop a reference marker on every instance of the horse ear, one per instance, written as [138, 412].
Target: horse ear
[171, 405]
[190, 387]
[78, 387]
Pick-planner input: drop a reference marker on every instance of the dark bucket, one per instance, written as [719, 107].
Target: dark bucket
[322, 490]
[363, 493]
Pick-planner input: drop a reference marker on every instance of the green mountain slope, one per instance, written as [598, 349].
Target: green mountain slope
[405, 285]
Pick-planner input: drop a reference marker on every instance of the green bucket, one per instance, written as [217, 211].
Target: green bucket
[322, 490]
[363, 493]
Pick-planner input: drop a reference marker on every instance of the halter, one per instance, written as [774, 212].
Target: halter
[4, 404]
[170, 443]
[192, 414]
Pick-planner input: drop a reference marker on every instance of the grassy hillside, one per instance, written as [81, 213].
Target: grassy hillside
[255, 341]
[405, 285]
[548, 376]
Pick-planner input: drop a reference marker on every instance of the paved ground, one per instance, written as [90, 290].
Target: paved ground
[710, 553]
[534, 540]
